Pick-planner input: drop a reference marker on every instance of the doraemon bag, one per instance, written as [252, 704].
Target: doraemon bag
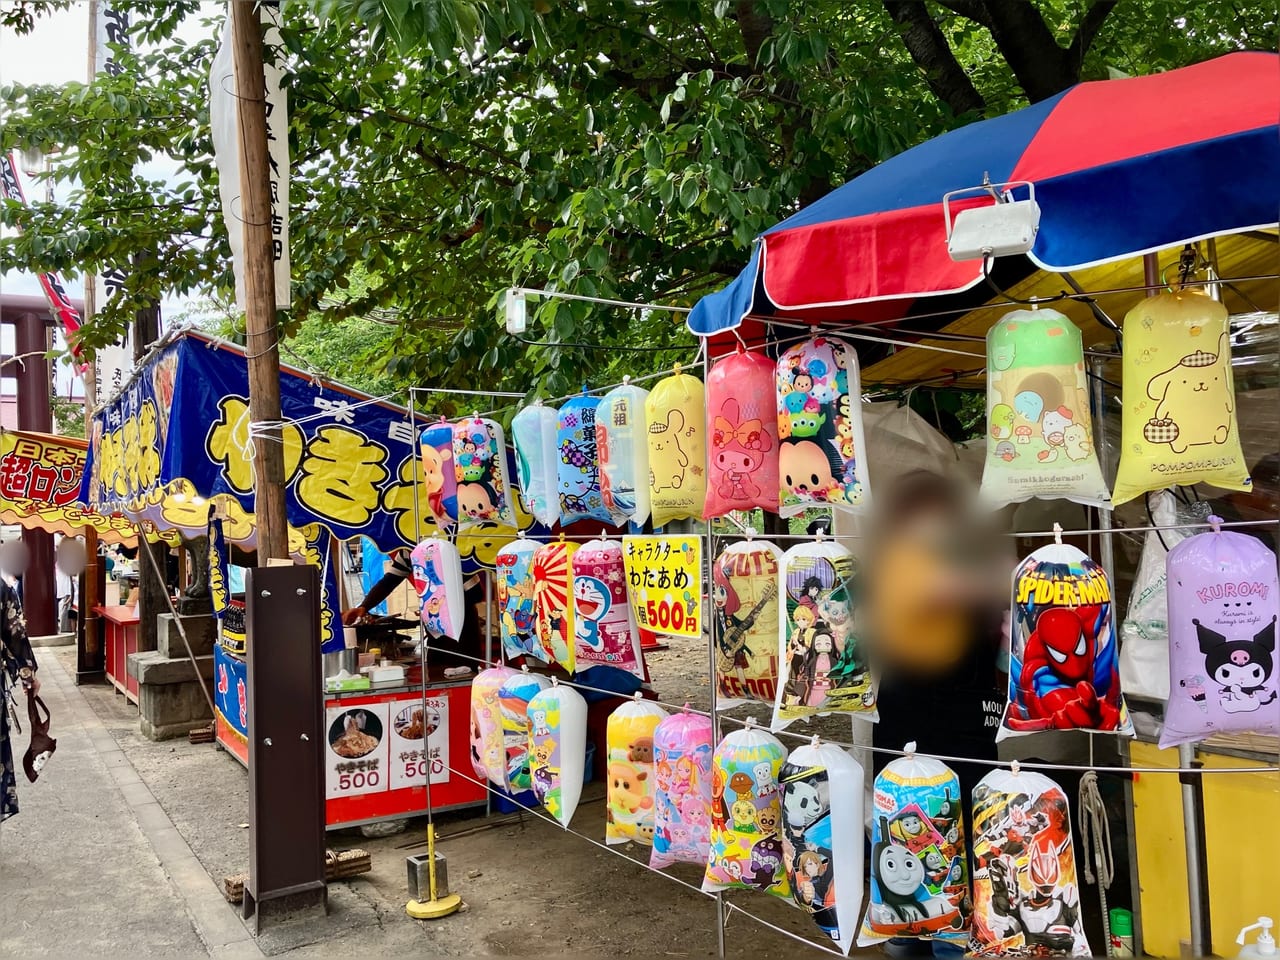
[919, 874]
[742, 424]
[622, 448]
[746, 815]
[1223, 606]
[822, 460]
[557, 749]
[553, 606]
[437, 576]
[517, 611]
[603, 629]
[513, 702]
[675, 423]
[822, 837]
[682, 794]
[629, 736]
[1026, 900]
[480, 463]
[745, 587]
[488, 748]
[533, 431]
[578, 466]
[440, 476]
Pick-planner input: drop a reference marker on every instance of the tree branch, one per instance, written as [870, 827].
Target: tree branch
[974, 10]
[1090, 25]
[931, 53]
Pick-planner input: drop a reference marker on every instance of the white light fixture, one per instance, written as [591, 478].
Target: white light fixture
[1004, 228]
[516, 313]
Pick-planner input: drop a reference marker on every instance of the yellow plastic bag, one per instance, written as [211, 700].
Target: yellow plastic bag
[1179, 415]
[675, 418]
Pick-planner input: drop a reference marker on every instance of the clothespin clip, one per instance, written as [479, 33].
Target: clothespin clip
[1057, 534]
[1215, 522]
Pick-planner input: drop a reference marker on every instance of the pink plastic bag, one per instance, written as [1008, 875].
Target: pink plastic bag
[742, 426]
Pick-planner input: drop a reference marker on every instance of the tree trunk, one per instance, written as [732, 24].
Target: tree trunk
[931, 53]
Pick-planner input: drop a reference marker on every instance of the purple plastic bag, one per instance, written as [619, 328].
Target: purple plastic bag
[1222, 637]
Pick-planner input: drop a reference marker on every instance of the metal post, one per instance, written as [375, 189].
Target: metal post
[1193, 830]
[1106, 537]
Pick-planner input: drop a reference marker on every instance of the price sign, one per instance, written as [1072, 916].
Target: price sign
[410, 728]
[664, 582]
[356, 761]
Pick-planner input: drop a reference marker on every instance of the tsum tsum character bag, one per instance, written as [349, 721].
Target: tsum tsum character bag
[440, 476]
[1222, 632]
[603, 631]
[622, 447]
[1039, 431]
[682, 792]
[919, 874]
[480, 458]
[1064, 669]
[822, 837]
[553, 606]
[745, 595]
[822, 664]
[631, 776]
[746, 814]
[533, 431]
[517, 612]
[1178, 417]
[437, 576]
[488, 747]
[742, 424]
[1026, 901]
[675, 419]
[557, 749]
[822, 456]
[578, 468]
[513, 703]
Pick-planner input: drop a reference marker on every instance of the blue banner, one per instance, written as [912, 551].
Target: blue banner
[230, 679]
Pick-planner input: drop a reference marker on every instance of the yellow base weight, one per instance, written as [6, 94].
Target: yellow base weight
[433, 909]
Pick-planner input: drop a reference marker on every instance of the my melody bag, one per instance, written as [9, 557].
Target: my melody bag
[42, 745]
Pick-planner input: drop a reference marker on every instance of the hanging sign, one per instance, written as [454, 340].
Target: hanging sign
[410, 728]
[357, 750]
[664, 581]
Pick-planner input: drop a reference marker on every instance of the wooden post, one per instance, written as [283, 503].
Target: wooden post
[152, 589]
[259, 274]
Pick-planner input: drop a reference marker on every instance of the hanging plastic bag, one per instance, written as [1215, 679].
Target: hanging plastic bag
[578, 463]
[484, 489]
[919, 874]
[440, 475]
[746, 814]
[1039, 430]
[557, 749]
[822, 664]
[1026, 899]
[1063, 669]
[517, 615]
[742, 467]
[1223, 607]
[488, 747]
[744, 593]
[552, 587]
[513, 701]
[629, 736]
[437, 576]
[675, 417]
[622, 446]
[1178, 422]
[822, 837]
[822, 458]
[682, 794]
[603, 630]
[533, 431]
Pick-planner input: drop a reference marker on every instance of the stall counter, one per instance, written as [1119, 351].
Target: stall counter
[120, 638]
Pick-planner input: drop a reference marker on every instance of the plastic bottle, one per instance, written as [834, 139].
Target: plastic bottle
[1263, 946]
[1121, 932]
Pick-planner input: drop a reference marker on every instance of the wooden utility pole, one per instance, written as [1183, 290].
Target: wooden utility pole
[259, 276]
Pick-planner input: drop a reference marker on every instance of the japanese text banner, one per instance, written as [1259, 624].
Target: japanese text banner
[664, 582]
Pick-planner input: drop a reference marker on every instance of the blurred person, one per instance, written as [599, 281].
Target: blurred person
[17, 672]
[1260, 502]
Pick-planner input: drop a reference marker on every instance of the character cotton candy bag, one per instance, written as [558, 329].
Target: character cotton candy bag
[622, 447]
[742, 462]
[1178, 422]
[533, 431]
[603, 631]
[557, 749]
[1063, 662]
[745, 583]
[488, 748]
[440, 475]
[552, 583]
[822, 837]
[822, 661]
[822, 457]
[1223, 606]
[480, 458]
[631, 775]
[437, 576]
[513, 702]
[746, 814]
[1039, 431]
[919, 874]
[675, 418]
[579, 466]
[1026, 901]
[517, 613]
[682, 794]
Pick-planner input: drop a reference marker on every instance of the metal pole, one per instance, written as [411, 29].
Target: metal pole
[1193, 831]
[1105, 516]
[422, 644]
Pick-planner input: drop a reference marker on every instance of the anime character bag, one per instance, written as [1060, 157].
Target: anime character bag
[440, 476]
[622, 446]
[822, 664]
[919, 875]
[437, 576]
[1222, 627]
[513, 702]
[742, 466]
[745, 582]
[682, 794]
[533, 431]
[1178, 422]
[1039, 432]
[603, 631]
[1063, 665]
[579, 467]
[822, 457]
[557, 749]
[552, 582]
[746, 814]
[822, 837]
[488, 748]
[675, 418]
[629, 736]
[517, 613]
[480, 461]
[1026, 901]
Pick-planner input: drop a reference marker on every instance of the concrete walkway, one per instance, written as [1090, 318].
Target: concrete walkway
[93, 865]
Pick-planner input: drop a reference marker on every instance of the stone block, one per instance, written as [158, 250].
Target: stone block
[171, 709]
[152, 669]
[202, 634]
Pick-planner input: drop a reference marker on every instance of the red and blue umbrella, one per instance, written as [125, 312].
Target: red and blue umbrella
[1121, 168]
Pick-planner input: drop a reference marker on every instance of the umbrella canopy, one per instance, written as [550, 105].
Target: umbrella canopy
[1120, 167]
